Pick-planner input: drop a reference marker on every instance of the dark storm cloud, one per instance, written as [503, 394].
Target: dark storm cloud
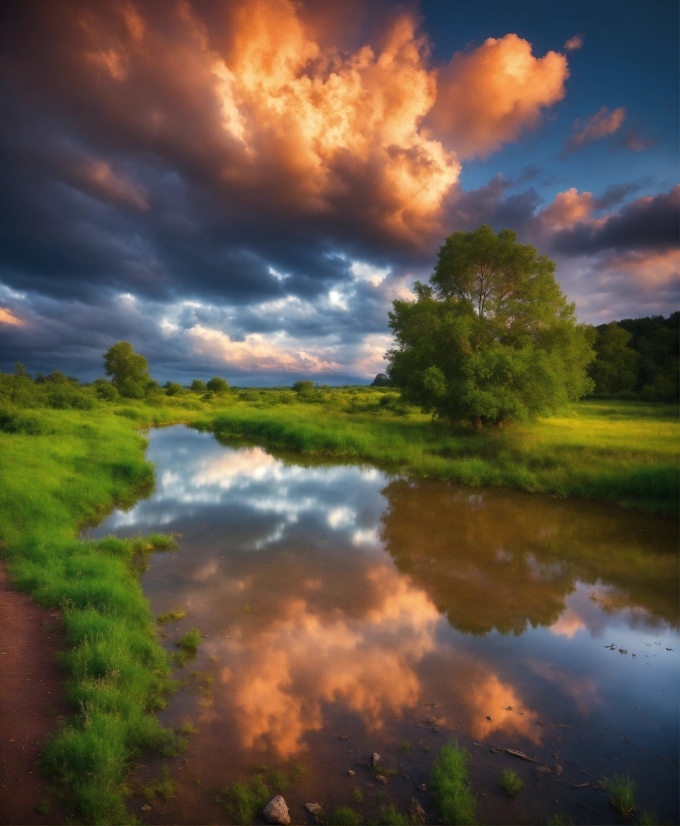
[650, 223]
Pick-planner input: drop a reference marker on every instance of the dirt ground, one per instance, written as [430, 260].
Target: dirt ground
[31, 704]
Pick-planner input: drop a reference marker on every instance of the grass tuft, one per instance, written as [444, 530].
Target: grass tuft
[622, 794]
[511, 783]
[344, 816]
[190, 642]
[450, 786]
[246, 801]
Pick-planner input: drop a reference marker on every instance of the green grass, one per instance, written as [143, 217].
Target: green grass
[391, 816]
[621, 452]
[511, 783]
[357, 796]
[244, 801]
[450, 786]
[622, 794]
[163, 786]
[172, 616]
[190, 641]
[344, 816]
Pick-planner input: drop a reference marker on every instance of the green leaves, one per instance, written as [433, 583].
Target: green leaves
[492, 338]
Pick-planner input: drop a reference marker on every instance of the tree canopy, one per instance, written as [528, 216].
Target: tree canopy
[491, 338]
[129, 371]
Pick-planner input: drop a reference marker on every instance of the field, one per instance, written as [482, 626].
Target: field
[62, 469]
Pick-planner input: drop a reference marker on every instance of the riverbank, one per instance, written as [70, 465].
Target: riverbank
[61, 470]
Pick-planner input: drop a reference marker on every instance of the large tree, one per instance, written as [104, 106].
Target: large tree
[491, 338]
[128, 370]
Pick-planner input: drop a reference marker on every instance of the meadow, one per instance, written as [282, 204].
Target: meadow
[65, 464]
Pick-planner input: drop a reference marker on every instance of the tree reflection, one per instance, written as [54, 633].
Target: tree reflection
[501, 559]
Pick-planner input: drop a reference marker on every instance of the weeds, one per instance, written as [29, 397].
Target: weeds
[405, 747]
[190, 642]
[187, 728]
[450, 786]
[163, 786]
[391, 816]
[357, 796]
[245, 801]
[344, 816]
[622, 794]
[172, 616]
[511, 783]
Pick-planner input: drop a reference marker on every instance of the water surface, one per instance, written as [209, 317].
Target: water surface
[346, 612]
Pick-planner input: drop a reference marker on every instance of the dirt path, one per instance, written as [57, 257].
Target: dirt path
[31, 703]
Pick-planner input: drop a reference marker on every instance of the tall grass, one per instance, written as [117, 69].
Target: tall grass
[621, 452]
[450, 786]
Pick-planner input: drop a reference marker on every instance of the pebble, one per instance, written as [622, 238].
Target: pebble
[422, 787]
[351, 772]
[314, 808]
[380, 778]
[375, 759]
[489, 717]
[146, 808]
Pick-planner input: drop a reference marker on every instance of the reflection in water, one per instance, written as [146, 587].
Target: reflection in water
[516, 557]
[336, 600]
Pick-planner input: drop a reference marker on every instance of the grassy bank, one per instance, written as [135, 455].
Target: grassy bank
[61, 469]
[620, 452]
[69, 470]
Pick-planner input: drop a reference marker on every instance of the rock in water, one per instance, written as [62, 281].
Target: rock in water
[381, 778]
[422, 787]
[375, 759]
[351, 772]
[276, 811]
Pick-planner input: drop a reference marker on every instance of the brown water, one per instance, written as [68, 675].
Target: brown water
[347, 612]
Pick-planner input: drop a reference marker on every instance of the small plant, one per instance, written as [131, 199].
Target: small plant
[247, 801]
[187, 728]
[172, 616]
[163, 786]
[43, 807]
[357, 796]
[279, 781]
[405, 747]
[511, 783]
[190, 641]
[450, 786]
[622, 794]
[248, 610]
[344, 816]
[648, 819]
[558, 820]
[391, 816]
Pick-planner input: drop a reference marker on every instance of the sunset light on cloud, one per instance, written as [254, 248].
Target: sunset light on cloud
[264, 178]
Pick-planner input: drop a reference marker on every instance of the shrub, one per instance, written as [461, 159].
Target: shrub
[450, 786]
[511, 783]
[622, 794]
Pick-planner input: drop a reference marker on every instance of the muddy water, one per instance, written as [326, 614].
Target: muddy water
[347, 612]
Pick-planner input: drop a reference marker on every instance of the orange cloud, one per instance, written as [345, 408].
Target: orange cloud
[491, 95]
[304, 661]
[490, 697]
[568, 208]
[8, 317]
[600, 125]
[258, 101]
[98, 177]
[652, 270]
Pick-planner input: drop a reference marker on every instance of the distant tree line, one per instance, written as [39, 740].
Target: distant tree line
[637, 358]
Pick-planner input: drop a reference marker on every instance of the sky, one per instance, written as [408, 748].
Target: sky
[242, 187]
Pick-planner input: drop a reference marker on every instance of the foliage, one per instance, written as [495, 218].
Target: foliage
[163, 786]
[198, 386]
[381, 380]
[172, 388]
[622, 794]
[616, 365]
[655, 340]
[304, 389]
[217, 385]
[129, 371]
[450, 786]
[246, 801]
[344, 816]
[511, 783]
[357, 796]
[391, 816]
[190, 641]
[492, 338]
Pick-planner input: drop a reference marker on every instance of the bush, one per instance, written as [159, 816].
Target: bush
[217, 385]
[172, 388]
[622, 794]
[198, 386]
[105, 390]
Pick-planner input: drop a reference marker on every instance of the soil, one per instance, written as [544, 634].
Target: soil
[31, 704]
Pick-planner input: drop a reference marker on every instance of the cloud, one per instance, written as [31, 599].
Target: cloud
[650, 222]
[595, 127]
[493, 94]
[574, 43]
[8, 317]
